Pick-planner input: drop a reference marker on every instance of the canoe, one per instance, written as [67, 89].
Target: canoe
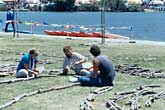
[97, 34]
[84, 34]
[116, 36]
[74, 34]
[57, 33]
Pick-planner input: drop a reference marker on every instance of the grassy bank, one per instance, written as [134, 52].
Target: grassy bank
[147, 56]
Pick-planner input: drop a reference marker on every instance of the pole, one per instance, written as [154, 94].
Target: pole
[103, 21]
[17, 22]
[14, 15]
[131, 40]
[31, 27]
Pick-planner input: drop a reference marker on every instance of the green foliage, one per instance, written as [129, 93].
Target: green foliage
[61, 5]
[87, 7]
[113, 5]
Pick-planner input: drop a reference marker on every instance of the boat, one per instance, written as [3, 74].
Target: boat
[57, 33]
[84, 34]
[116, 36]
[74, 34]
[97, 34]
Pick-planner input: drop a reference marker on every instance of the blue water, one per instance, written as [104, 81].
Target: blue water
[146, 26]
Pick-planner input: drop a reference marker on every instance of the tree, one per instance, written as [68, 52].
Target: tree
[113, 5]
[64, 5]
[70, 5]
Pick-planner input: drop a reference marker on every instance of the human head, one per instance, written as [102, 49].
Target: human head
[9, 8]
[33, 53]
[95, 50]
[67, 51]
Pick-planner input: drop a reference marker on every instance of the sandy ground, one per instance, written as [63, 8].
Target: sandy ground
[112, 41]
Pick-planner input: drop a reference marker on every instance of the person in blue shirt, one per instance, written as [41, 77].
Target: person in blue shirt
[27, 66]
[10, 19]
[103, 70]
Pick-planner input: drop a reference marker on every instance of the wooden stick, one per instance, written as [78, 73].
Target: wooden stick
[134, 70]
[125, 93]
[86, 105]
[24, 79]
[8, 65]
[120, 97]
[48, 62]
[100, 89]
[16, 80]
[134, 103]
[14, 100]
[4, 74]
[97, 92]
[151, 86]
[52, 72]
[152, 99]
[113, 106]
[40, 91]
[91, 97]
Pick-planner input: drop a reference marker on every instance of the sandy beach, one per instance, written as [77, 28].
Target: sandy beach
[112, 41]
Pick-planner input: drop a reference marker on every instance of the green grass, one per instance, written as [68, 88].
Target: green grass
[146, 56]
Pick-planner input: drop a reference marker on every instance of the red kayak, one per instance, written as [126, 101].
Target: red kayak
[83, 34]
[97, 34]
[116, 36]
[57, 33]
[74, 34]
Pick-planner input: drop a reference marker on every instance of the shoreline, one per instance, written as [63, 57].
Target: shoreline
[114, 41]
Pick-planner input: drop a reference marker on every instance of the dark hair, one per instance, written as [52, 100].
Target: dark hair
[67, 48]
[95, 50]
[33, 51]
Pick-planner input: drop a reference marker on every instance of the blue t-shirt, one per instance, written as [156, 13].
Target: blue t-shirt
[26, 60]
[106, 67]
[10, 15]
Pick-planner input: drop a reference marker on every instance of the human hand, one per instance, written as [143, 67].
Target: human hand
[77, 63]
[36, 74]
[36, 70]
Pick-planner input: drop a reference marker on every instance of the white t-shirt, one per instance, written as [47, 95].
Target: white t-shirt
[70, 62]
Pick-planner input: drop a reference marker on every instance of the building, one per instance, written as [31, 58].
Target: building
[81, 2]
[131, 2]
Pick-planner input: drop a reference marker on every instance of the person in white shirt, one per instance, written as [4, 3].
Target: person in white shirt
[75, 61]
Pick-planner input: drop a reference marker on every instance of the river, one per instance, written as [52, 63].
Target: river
[146, 26]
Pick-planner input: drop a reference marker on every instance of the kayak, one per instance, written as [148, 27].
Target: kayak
[57, 33]
[84, 34]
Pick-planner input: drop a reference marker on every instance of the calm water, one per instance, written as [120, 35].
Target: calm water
[146, 26]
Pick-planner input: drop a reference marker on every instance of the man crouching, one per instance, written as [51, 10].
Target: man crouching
[27, 66]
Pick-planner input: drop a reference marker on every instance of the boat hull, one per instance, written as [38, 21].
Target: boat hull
[85, 35]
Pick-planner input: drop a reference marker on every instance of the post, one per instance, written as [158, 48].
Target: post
[31, 27]
[103, 21]
[131, 39]
[17, 22]
[14, 20]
